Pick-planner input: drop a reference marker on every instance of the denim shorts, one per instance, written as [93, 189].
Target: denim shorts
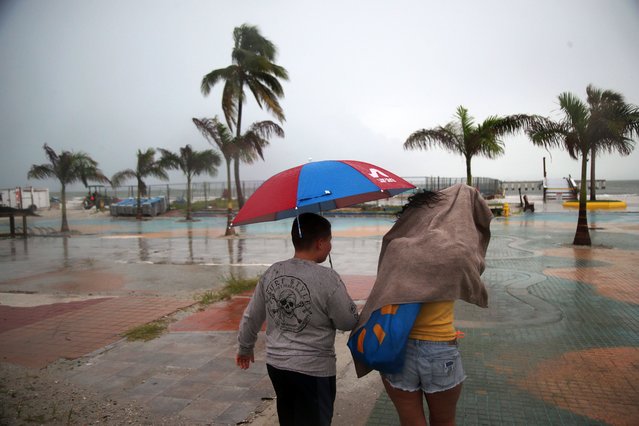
[429, 366]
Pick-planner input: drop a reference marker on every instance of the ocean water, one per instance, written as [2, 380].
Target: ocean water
[620, 187]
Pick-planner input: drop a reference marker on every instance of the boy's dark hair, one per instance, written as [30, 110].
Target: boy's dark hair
[312, 227]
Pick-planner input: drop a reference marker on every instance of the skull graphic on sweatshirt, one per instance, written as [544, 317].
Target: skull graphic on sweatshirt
[289, 303]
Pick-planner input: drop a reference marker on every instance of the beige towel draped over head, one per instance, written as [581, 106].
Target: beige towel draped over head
[433, 254]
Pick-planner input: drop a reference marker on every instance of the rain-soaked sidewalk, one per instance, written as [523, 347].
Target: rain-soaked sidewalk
[558, 345]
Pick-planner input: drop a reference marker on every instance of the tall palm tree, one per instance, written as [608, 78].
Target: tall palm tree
[248, 148]
[192, 163]
[252, 67]
[68, 167]
[616, 121]
[581, 129]
[146, 166]
[468, 139]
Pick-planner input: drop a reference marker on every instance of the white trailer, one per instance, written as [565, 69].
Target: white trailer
[25, 198]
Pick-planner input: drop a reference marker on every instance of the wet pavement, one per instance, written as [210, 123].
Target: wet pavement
[560, 341]
[558, 345]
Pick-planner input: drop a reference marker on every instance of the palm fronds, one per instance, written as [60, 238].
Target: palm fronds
[253, 66]
[68, 167]
[462, 136]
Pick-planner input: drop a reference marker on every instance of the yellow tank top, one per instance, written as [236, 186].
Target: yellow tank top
[434, 322]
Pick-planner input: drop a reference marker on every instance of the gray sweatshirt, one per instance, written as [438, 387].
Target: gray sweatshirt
[303, 304]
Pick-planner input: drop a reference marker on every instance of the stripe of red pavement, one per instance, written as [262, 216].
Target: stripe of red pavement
[81, 331]
[221, 316]
[16, 316]
[359, 286]
[226, 315]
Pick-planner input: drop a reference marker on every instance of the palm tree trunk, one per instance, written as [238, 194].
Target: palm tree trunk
[593, 195]
[469, 175]
[63, 203]
[238, 182]
[582, 236]
[188, 197]
[229, 200]
[138, 210]
[236, 156]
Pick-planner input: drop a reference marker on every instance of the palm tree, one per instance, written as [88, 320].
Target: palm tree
[252, 66]
[467, 138]
[248, 148]
[252, 143]
[192, 163]
[147, 166]
[583, 128]
[68, 167]
[219, 135]
[617, 121]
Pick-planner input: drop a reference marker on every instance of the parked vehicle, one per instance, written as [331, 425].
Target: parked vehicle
[25, 198]
[98, 197]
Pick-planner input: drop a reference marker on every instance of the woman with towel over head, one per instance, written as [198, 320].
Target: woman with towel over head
[432, 256]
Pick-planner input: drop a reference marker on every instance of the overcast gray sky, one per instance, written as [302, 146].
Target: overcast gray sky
[109, 77]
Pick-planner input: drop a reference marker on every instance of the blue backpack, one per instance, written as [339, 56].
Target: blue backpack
[381, 342]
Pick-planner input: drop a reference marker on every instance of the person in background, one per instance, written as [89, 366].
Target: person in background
[303, 304]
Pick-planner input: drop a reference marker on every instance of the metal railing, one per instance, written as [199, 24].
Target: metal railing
[200, 191]
[487, 186]
[536, 187]
[204, 191]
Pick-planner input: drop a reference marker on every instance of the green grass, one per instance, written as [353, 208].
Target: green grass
[221, 203]
[146, 332]
[207, 298]
[197, 205]
[217, 203]
[234, 285]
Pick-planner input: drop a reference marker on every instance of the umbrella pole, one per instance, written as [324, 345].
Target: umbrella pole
[299, 228]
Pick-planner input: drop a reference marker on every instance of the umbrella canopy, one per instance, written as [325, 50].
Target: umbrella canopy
[319, 186]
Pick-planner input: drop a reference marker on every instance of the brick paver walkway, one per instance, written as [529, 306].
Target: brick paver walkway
[226, 315]
[37, 336]
[14, 317]
[192, 375]
[221, 316]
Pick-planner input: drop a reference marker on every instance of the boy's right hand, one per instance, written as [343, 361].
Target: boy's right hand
[244, 361]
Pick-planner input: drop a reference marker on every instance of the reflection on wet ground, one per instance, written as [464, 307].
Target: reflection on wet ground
[175, 242]
[183, 251]
[171, 241]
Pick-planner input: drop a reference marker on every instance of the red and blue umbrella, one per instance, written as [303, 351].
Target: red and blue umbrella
[317, 187]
